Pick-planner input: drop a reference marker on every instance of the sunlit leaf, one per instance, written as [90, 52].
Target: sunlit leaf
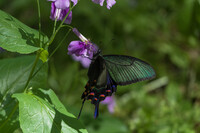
[45, 113]
[13, 77]
[17, 37]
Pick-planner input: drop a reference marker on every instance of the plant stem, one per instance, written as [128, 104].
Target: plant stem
[52, 53]
[54, 27]
[38, 4]
[56, 31]
[9, 116]
[32, 70]
[68, 26]
[59, 44]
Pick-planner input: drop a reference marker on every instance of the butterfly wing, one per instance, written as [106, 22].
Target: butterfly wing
[126, 70]
[108, 71]
[98, 72]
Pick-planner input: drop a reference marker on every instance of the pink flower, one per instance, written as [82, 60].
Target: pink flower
[110, 3]
[60, 8]
[82, 50]
[110, 101]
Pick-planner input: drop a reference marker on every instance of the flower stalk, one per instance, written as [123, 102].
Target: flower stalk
[32, 70]
[39, 23]
[54, 27]
[56, 31]
[52, 53]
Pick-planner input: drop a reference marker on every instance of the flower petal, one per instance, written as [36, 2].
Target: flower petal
[98, 2]
[107, 100]
[111, 107]
[69, 17]
[110, 101]
[53, 9]
[85, 62]
[75, 2]
[110, 3]
[75, 47]
[62, 4]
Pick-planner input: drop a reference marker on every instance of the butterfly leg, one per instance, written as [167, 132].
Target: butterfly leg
[81, 108]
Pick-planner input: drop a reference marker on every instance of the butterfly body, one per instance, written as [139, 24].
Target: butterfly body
[108, 71]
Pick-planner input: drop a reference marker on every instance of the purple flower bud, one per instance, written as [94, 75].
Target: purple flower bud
[82, 38]
[110, 3]
[110, 101]
[82, 50]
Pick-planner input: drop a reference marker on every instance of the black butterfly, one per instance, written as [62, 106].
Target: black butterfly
[108, 71]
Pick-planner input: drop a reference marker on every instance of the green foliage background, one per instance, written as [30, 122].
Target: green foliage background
[164, 33]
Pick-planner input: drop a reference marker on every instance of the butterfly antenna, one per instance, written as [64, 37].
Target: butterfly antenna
[81, 108]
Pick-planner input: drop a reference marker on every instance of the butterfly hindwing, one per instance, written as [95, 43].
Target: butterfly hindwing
[126, 70]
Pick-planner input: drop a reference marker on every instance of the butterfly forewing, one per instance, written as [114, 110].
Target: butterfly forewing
[97, 71]
[126, 70]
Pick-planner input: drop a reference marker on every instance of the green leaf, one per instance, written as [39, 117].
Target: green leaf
[13, 77]
[45, 113]
[17, 37]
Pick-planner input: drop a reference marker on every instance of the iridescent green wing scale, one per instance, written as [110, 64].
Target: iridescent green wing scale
[126, 69]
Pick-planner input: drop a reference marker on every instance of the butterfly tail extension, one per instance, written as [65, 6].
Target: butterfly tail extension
[96, 112]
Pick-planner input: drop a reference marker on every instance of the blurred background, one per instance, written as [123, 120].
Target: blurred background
[165, 34]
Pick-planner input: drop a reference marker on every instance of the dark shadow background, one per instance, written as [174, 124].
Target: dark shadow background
[166, 34]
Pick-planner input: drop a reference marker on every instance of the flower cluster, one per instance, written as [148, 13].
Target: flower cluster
[60, 8]
[110, 3]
